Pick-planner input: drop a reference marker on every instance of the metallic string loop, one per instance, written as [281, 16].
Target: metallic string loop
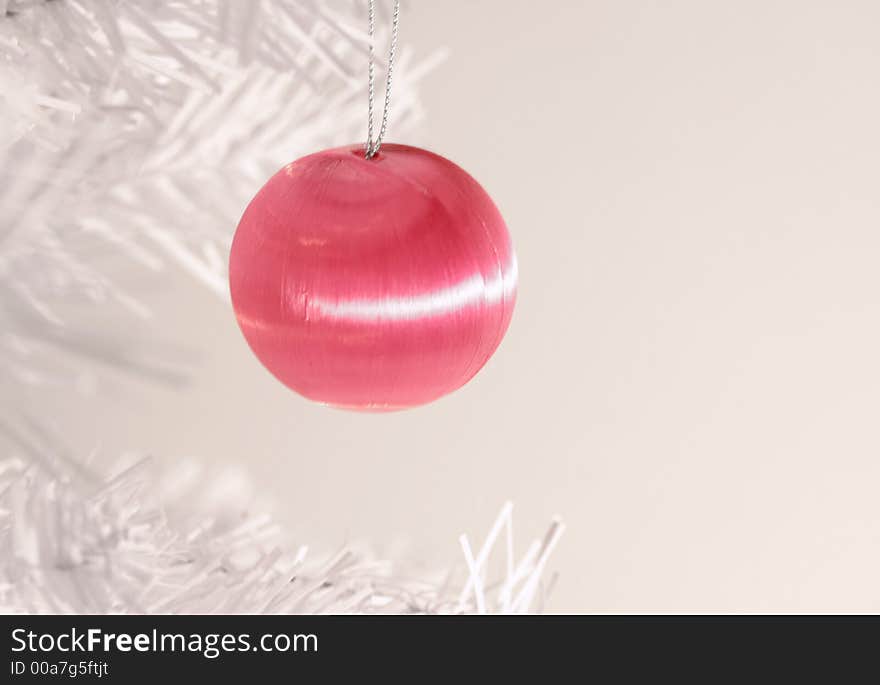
[372, 147]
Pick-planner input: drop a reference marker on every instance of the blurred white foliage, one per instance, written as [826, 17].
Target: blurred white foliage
[132, 135]
[71, 542]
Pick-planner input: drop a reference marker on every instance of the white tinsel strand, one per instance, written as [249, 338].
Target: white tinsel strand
[71, 542]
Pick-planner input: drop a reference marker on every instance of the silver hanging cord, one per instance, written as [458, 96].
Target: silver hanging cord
[372, 147]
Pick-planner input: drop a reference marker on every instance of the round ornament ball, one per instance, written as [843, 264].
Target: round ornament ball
[372, 284]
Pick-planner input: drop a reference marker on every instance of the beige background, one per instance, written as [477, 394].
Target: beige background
[691, 378]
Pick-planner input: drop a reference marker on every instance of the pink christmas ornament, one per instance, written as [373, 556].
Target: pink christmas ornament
[373, 284]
